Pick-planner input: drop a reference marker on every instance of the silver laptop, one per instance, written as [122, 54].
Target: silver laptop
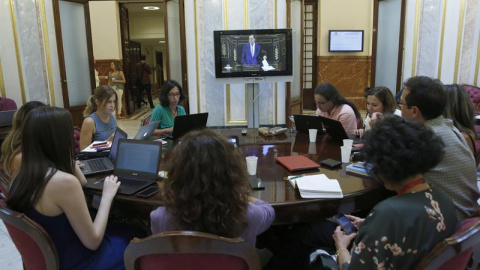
[6, 118]
[136, 166]
[146, 132]
[104, 164]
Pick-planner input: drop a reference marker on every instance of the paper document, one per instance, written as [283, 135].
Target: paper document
[98, 146]
[318, 186]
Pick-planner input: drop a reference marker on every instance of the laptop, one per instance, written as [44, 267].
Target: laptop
[136, 166]
[336, 131]
[6, 118]
[186, 123]
[104, 164]
[305, 122]
[146, 131]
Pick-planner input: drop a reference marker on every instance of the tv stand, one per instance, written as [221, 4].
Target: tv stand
[253, 106]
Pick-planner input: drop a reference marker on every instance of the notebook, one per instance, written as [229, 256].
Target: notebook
[359, 168]
[186, 123]
[6, 118]
[297, 163]
[104, 164]
[318, 186]
[136, 166]
[336, 131]
[146, 131]
[305, 122]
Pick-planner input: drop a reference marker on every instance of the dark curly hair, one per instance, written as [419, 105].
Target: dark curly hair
[167, 86]
[398, 148]
[207, 188]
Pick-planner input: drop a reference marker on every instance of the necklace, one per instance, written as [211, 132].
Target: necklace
[410, 185]
[174, 112]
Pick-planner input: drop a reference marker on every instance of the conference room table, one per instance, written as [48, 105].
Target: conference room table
[360, 193]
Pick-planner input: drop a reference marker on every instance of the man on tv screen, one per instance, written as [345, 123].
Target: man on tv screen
[250, 52]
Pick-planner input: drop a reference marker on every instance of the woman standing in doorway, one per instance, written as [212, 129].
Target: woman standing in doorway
[116, 80]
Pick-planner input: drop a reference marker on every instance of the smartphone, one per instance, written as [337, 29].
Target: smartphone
[345, 223]
[151, 190]
[256, 183]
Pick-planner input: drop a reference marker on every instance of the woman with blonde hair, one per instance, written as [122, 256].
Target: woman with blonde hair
[11, 146]
[116, 80]
[99, 123]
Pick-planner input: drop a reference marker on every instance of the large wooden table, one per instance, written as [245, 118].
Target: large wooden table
[359, 193]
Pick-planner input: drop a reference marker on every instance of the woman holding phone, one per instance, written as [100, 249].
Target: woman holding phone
[399, 231]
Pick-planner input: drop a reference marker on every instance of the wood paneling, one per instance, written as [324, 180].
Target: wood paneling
[349, 74]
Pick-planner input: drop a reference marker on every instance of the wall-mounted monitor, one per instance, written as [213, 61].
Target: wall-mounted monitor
[345, 41]
[259, 54]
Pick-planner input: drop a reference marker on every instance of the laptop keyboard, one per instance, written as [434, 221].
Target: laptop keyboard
[130, 182]
[97, 165]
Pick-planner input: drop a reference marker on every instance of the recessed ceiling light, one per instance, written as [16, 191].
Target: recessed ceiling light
[151, 8]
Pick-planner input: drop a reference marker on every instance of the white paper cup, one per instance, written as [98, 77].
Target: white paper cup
[346, 151]
[312, 134]
[348, 142]
[252, 165]
[312, 148]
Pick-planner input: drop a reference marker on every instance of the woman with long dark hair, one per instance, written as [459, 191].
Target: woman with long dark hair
[169, 107]
[331, 104]
[207, 190]
[48, 189]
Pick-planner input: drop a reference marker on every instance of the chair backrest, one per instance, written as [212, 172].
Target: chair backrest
[5, 181]
[190, 250]
[146, 119]
[455, 251]
[76, 133]
[32, 241]
[474, 94]
[8, 104]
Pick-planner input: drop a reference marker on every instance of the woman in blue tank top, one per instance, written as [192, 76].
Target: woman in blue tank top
[99, 123]
[48, 189]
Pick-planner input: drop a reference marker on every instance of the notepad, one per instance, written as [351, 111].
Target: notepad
[358, 168]
[297, 163]
[317, 186]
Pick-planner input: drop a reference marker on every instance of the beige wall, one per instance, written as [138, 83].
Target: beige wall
[146, 27]
[104, 18]
[354, 15]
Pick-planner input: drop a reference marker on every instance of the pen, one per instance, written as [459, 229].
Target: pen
[296, 176]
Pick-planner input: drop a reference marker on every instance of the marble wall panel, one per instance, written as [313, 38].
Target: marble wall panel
[429, 38]
[349, 74]
[237, 104]
[32, 54]
[466, 70]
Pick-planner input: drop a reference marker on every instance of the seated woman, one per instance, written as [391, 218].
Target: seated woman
[207, 190]
[48, 189]
[99, 123]
[331, 104]
[11, 147]
[168, 109]
[380, 100]
[399, 231]
[460, 109]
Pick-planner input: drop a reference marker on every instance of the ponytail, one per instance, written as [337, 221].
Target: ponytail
[91, 106]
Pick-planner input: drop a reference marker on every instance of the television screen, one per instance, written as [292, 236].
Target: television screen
[345, 41]
[253, 53]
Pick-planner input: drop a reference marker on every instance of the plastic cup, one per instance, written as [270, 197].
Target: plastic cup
[312, 148]
[348, 142]
[346, 151]
[312, 134]
[252, 165]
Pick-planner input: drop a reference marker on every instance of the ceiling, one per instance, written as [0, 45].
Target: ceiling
[137, 8]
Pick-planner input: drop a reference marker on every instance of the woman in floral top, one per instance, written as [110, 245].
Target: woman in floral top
[399, 231]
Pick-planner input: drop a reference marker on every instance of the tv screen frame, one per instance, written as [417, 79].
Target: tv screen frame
[231, 59]
[345, 40]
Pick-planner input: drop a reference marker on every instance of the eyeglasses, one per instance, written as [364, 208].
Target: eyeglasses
[320, 103]
[174, 95]
[399, 103]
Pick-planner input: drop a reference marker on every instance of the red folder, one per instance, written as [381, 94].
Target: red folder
[297, 163]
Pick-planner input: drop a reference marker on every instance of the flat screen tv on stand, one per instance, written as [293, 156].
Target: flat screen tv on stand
[253, 55]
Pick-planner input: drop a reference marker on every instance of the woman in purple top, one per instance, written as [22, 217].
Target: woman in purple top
[207, 190]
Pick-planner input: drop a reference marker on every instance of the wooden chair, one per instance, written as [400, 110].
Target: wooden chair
[32, 241]
[456, 251]
[190, 250]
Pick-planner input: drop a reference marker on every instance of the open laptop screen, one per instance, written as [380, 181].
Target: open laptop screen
[119, 134]
[138, 157]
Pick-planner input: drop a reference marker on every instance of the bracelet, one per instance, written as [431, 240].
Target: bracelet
[340, 251]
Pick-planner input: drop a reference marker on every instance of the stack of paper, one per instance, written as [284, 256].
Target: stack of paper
[358, 168]
[317, 186]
